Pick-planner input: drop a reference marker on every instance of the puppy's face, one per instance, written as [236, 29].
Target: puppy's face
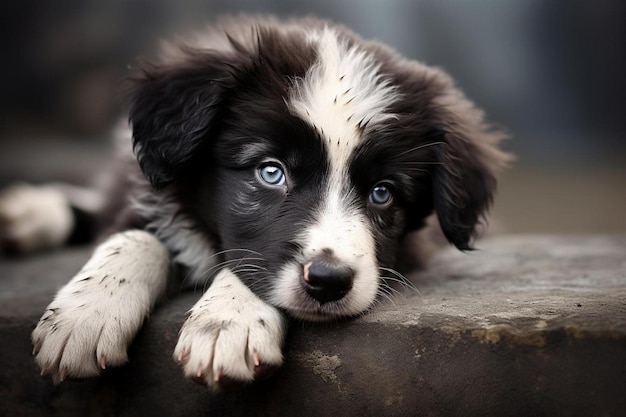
[309, 157]
[311, 218]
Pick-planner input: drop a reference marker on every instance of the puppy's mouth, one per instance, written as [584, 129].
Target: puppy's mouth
[312, 315]
[320, 290]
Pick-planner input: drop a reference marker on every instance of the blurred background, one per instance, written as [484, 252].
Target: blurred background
[549, 72]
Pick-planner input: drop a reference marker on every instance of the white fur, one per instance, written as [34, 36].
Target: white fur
[341, 93]
[346, 231]
[229, 334]
[91, 321]
[347, 234]
[35, 217]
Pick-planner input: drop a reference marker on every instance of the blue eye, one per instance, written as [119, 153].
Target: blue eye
[380, 195]
[272, 174]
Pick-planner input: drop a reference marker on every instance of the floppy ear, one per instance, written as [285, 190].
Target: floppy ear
[173, 108]
[465, 180]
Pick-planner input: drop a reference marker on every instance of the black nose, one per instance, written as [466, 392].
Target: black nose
[326, 282]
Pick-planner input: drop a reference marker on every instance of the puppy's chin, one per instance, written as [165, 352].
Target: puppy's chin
[318, 315]
[312, 310]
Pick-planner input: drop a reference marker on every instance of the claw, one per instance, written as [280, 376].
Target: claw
[36, 348]
[46, 315]
[261, 370]
[45, 370]
[182, 355]
[62, 374]
[103, 362]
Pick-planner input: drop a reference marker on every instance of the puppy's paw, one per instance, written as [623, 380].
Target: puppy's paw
[77, 337]
[93, 318]
[223, 350]
[231, 337]
[33, 218]
[83, 332]
[77, 342]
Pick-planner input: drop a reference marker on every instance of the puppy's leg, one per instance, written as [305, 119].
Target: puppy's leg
[230, 335]
[33, 218]
[93, 318]
[47, 216]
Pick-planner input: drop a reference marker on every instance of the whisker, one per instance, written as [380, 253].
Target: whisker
[237, 250]
[259, 284]
[417, 148]
[389, 283]
[258, 267]
[401, 279]
[243, 270]
[392, 292]
[204, 277]
[204, 273]
[386, 296]
[236, 261]
[416, 170]
[421, 163]
[375, 303]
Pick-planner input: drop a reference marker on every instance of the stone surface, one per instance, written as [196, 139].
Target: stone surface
[527, 325]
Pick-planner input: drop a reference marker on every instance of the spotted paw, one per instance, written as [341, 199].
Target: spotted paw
[92, 320]
[79, 340]
[231, 337]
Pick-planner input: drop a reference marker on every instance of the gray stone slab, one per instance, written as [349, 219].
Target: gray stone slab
[527, 325]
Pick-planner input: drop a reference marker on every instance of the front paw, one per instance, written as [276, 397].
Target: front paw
[78, 341]
[93, 318]
[230, 338]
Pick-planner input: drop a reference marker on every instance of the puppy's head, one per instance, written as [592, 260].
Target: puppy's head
[308, 154]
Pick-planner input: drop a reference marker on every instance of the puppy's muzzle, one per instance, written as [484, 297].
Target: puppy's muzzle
[325, 281]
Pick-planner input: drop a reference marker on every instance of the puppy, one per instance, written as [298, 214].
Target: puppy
[284, 163]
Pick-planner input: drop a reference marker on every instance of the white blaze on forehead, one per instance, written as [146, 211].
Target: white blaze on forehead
[340, 94]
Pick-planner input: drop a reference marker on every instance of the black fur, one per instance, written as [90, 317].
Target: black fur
[315, 236]
[195, 119]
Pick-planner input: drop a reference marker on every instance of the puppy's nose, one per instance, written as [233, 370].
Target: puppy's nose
[326, 282]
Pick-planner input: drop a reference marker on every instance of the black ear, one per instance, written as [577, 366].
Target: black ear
[464, 182]
[173, 109]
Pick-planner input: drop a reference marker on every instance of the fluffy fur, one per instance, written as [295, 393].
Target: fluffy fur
[286, 161]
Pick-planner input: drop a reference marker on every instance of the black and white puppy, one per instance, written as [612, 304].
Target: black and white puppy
[284, 162]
